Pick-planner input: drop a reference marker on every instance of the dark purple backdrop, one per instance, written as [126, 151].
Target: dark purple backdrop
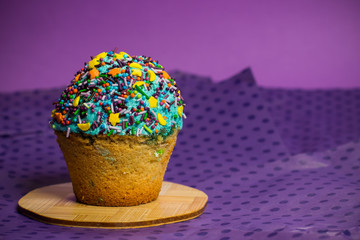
[287, 43]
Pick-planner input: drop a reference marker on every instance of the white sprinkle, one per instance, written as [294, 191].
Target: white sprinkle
[145, 87]
[175, 101]
[184, 115]
[122, 111]
[167, 104]
[112, 92]
[142, 128]
[115, 128]
[126, 112]
[86, 105]
[125, 81]
[130, 83]
[141, 112]
[68, 132]
[112, 107]
[84, 93]
[79, 119]
[103, 98]
[121, 98]
[98, 118]
[152, 111]
[137, 132]
[125, 120]
[172, 86]
[138, 99]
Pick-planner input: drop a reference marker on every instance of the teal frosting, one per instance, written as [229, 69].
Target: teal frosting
[97, 108]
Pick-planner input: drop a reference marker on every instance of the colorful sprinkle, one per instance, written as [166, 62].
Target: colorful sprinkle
[116, 93]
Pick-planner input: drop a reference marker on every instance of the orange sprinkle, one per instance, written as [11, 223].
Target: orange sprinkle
[132, 95]
[147, 119]
[114, 59]
[147, 85]
[169, 84]
[156, 131]
[142, 109]
[165, 117]
[107, 84]
[64, 112]
[108, 108]
[75, 90]
[103, 63]
[138, 78]
[122, 70]
[125, 96]
[99, 90]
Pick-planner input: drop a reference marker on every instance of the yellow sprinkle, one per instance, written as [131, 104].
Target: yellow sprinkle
[152, 75]
[114, 118]
[120, 55]
[53, 113]
[93, 63]
[76, 101]
[84, 126]
[138, 83]
[135, 65]
[153, 102]
[180, 110]
[136, 72]
[101, 55]
[161, 119]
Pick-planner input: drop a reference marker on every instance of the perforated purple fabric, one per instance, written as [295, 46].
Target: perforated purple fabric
[276, 164]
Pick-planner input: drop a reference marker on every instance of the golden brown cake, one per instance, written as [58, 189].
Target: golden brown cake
[117, 124]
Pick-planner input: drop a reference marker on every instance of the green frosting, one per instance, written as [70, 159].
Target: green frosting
[119, 94]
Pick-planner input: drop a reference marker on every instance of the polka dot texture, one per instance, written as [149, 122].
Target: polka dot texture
[262, 182]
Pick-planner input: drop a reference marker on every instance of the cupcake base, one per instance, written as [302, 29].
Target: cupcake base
[116, 170]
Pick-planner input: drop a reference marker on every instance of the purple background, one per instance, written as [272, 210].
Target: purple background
[303, 44]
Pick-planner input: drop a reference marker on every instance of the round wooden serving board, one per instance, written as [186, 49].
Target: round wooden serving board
[56, 204]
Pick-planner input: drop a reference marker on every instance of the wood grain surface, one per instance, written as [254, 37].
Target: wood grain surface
[56, 204]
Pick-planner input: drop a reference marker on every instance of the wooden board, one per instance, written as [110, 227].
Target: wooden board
[56, 204]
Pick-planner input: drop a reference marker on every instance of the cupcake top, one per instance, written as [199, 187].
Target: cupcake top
[115, 93]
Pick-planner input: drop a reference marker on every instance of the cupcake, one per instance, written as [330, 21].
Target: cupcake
[117, 124]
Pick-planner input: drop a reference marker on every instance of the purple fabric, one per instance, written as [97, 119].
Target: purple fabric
[288, 173]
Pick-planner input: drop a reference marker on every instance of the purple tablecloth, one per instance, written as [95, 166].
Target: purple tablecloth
[276, 164]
